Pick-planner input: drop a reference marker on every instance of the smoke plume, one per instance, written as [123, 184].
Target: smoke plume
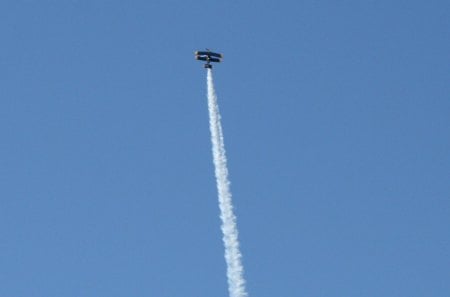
[236, 282]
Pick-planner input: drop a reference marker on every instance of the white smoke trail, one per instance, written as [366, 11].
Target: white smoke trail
[236, 282]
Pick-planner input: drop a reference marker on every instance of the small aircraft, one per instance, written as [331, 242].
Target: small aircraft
[209, 57]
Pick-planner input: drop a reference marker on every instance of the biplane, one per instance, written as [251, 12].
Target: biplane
[209, 57]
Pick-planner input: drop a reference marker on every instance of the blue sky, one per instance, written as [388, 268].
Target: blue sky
[336, 123]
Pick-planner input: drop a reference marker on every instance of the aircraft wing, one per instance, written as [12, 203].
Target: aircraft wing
[217, 55]
[214, 60]
[209, 54]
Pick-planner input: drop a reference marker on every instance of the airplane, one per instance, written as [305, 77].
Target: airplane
[209, 57]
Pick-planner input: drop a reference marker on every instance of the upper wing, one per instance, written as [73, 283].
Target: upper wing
[209, 54]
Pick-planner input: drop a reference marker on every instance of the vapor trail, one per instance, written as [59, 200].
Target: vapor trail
[236, 282]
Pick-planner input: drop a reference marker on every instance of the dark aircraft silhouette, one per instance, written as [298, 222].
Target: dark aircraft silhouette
[209, 57]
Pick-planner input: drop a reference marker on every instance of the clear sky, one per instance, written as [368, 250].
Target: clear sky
[336, 122]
